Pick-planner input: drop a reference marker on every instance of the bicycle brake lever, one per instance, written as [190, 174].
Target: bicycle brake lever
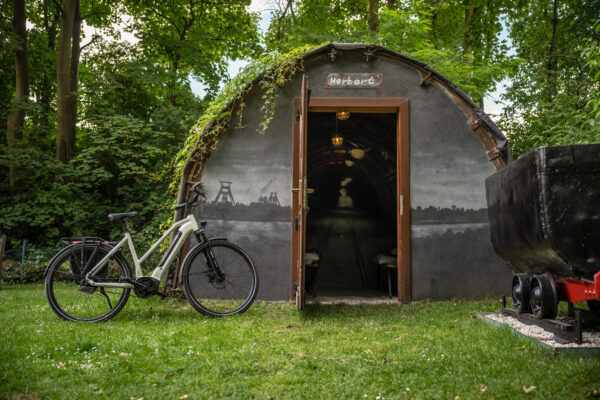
[195, 188]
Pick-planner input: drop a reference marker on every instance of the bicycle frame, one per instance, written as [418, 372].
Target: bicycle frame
[186, 226]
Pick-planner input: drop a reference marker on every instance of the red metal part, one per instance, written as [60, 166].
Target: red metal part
[576, 290]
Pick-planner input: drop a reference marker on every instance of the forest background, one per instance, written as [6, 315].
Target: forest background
[97, 96]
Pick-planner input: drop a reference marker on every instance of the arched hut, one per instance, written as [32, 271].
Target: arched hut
[389, 157]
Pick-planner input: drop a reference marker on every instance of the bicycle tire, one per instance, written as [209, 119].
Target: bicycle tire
[235, 294]
[63, 278]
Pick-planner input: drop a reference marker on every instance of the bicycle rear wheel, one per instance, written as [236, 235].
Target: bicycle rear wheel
[219, 297]
[71, 300]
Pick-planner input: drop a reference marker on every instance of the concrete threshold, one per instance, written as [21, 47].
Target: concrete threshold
[351, 300]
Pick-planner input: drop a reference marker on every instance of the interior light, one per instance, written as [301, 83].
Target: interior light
[349, 163]
[342, 115]
[357, 154]
[337, 140]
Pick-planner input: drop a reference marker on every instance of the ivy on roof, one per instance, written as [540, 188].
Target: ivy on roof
[266, 74]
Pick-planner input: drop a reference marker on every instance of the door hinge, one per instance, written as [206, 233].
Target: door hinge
[297, 114]
[297, 223]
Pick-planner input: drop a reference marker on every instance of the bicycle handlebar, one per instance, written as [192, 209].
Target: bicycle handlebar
[194, 198]
[195, 189]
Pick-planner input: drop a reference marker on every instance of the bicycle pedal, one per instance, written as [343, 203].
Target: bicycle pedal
[87, 289]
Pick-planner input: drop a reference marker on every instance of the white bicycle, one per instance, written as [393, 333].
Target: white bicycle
[90, 279]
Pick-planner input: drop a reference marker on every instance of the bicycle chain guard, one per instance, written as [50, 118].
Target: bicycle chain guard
[145, 287]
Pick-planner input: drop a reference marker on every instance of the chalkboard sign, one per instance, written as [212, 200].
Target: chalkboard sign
[353, 80]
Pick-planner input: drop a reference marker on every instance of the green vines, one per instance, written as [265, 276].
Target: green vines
[273, 69]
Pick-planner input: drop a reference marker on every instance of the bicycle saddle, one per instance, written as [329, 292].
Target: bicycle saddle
[119, 216]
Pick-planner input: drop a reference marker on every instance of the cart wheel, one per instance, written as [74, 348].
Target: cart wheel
[520, 293]
[594, 306]
[542, 297]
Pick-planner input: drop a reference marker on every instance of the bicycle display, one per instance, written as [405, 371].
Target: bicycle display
[91, 280]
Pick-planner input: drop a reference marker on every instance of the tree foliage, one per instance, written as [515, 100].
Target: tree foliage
[553, 89]
[127, 125]
[275, 68]
[194, 37]
[470, 53]
[135, 119]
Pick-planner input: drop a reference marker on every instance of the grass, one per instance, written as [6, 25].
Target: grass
[163, 349]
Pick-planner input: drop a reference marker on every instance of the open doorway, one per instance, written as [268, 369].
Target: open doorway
[351, 165]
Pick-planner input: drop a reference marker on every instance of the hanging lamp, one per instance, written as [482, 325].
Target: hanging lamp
[336, 140]
[342, 115]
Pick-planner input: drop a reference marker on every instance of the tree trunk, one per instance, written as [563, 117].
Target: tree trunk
[373, 23]
[471, 14]
[46, 88]
[468, 35]
[63, 80]
[550, 66]
[16, 118]
[74, 81]
[173, 82]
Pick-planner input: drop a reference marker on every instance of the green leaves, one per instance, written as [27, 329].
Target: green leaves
[276, 68]
[432, 32]
[135, 109]
[194, 37]
[554, 96]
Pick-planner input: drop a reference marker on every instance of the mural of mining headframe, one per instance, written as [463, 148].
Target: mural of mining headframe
[224, 207]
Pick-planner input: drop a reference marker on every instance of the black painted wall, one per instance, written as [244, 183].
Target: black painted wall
[451, 251]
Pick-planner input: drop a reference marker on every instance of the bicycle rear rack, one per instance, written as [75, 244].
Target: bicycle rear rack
[87, 240]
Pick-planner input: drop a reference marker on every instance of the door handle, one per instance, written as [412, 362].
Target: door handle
[305, 189]
[295, 190]
[401, 205]
[310, 191]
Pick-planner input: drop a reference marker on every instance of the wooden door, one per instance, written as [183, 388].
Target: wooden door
[399, 106]
[300, 193]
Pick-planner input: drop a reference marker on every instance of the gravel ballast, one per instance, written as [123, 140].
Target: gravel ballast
[590, 339]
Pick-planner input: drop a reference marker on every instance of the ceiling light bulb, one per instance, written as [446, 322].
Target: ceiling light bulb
[342, 115]
[337, 140]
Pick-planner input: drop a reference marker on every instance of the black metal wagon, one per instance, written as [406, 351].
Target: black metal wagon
[544, 212]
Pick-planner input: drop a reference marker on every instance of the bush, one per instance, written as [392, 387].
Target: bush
[34, 267]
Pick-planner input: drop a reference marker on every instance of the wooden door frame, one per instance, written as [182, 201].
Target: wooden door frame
[386, 105]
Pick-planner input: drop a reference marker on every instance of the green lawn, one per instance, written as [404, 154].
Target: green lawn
[163, 349]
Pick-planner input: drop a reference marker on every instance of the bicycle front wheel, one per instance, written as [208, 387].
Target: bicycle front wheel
[232, 292]
[73, 300]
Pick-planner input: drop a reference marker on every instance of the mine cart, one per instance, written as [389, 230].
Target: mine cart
[544, 212]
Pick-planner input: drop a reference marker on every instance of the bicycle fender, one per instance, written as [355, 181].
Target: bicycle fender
[118, 254]
[211, 240]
